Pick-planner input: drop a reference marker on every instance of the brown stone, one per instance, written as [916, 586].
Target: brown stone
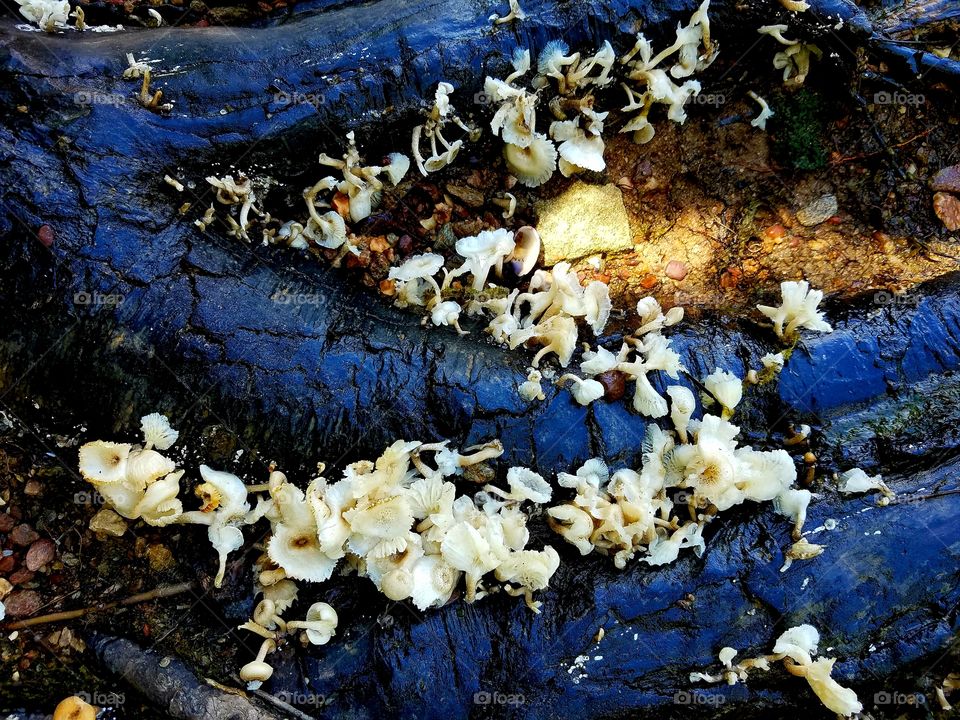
[676, 270]
[6, 523]
[947, 180]
[341, 204]
[45, 235]
[467, 195]
[947, 208]
[21, 576]
[23, 603]
[614, 384]
[23, 535]
[379, 244]
[40, 553]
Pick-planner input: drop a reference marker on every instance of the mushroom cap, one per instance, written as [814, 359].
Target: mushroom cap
[446, 313]
[386, 518]
[526, 249]
[146, 466]
[233, 493]
[586, 391]
[576, 147]
[299, 552]
[532, 165]
[466, 549]
[499, 242]
[793, 504]
[765, 475]
[74, 708]
[726, 387]
[798, 643]
[727, 655]
[256, 671]
[525, 484]
[159, 505]
[598, 306]
[530, 568]
[398, 166]
[417, 266]
[430, 496]
[104, 462]
[554, 57]
[157, 431]
[323, 612]
[573, 525]
[834, 696]
[282, 594]
[434, 581]
[397, 584]
[682, 399]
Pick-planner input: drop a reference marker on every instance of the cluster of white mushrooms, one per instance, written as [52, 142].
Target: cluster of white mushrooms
[574, 137]
[795, 648]
[697, 464]
[572, 142]
[397, 521]
[795, 57]
[649, 84]
[49, 15]
[431, 130]
[355, 196]
[545, 315]
[53, 16]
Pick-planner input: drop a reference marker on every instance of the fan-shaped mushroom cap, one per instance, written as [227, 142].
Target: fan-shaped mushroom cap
[104, 462]
[434, 581]
[484, 251]
[534, 164]
[157, 432]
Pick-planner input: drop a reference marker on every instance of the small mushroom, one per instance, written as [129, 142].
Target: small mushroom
[584, 391]
[74, 708]
[256, 672]
[320, 623]
[682, 405]
[526, 250]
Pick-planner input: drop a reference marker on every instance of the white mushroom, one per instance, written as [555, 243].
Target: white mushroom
[584, 391]
[483, 252]
[320, 624]
[157, 432]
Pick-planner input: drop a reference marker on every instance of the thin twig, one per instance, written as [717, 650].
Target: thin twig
[157, 593]
[886, 149]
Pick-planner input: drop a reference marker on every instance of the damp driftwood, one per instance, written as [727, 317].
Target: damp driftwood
[171, 685]
[342, 376]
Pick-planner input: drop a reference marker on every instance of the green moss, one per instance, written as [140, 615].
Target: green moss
[799, 130]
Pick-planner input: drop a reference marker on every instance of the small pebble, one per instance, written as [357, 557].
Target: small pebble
[818, 211]
[676, 270]
[947, 208]
[45, 235]
[947, 180]
[23, 535]
[468, 195]
[21, 576]
[40, 553]
[614, 384]
[22, 603]
[6, 523]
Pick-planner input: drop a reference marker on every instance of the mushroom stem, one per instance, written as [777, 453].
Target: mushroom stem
[487, 451]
